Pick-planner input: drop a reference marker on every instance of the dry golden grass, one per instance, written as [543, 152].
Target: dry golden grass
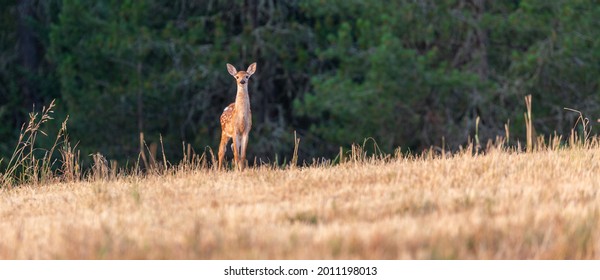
[502, 205]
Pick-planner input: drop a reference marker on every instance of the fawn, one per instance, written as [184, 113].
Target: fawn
[236, 119]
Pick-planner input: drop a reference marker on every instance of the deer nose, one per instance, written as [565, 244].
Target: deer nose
[242, 82]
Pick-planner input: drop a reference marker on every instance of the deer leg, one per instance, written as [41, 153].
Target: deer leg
[243, 148]
[222, 149]
[239, 147]
[236, 150]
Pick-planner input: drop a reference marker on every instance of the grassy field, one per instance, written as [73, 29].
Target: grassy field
[501, 205]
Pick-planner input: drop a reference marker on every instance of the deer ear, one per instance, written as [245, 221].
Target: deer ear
[231, 69]
[251, 68]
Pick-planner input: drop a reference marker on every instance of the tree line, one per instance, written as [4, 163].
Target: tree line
[410, 74]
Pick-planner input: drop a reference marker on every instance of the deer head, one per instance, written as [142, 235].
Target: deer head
[241, 77]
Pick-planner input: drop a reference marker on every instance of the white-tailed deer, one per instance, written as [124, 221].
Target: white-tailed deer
[236, 119]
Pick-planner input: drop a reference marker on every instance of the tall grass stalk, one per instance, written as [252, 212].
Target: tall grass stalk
[529, 123]
[30, 164]
[24, 166]
[586, 129]
[294, 161]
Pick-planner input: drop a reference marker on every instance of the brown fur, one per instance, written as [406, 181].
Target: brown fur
[236, 120]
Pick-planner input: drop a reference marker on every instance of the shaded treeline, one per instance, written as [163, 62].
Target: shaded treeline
[407, 73]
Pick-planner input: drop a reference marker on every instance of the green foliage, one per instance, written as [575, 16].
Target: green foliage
[121, 74]
[392, 83]
[560, 68]
[429, 69]
[26, 78]
[407, 73]
[9, 95]
[158, 67]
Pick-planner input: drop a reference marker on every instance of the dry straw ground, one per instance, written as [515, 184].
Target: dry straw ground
[501, 205]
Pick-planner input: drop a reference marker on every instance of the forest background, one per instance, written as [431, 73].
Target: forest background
[409, 74]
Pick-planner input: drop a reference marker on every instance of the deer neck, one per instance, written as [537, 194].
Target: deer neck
[242, 100]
